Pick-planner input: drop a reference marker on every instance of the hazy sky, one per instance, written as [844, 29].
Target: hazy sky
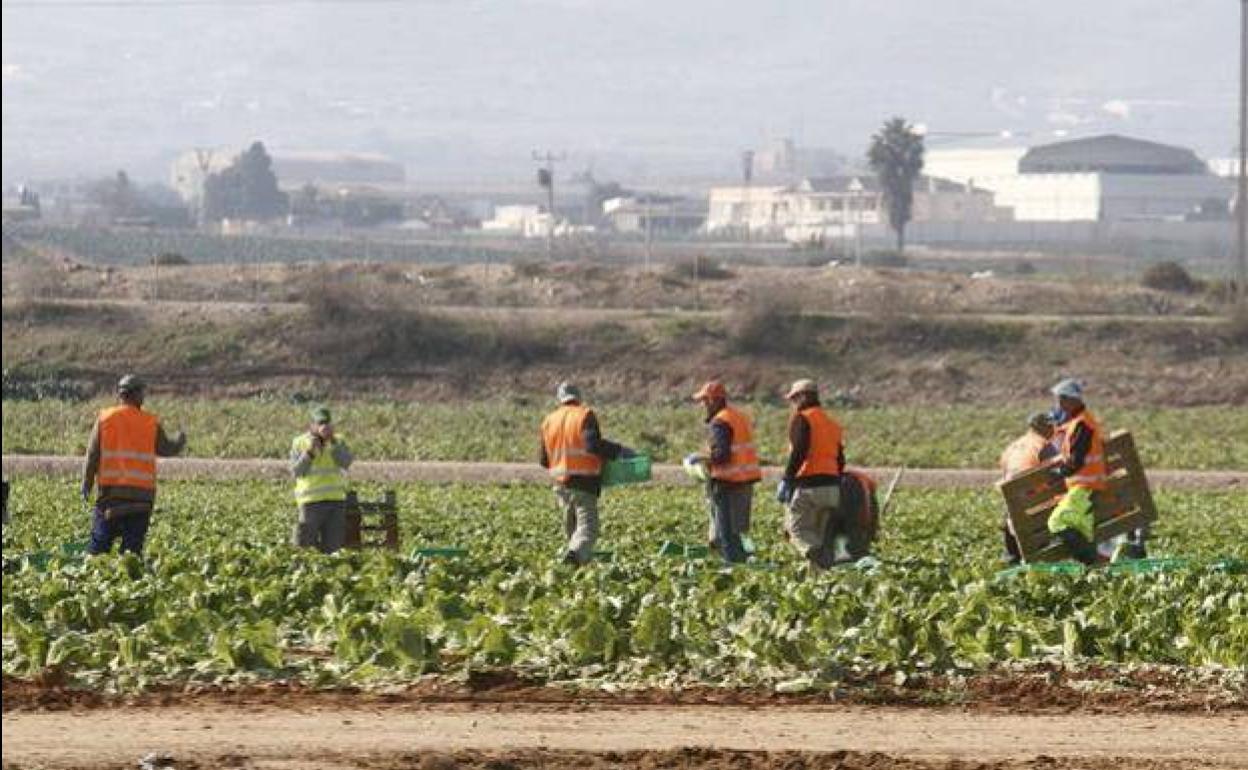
[639, 87]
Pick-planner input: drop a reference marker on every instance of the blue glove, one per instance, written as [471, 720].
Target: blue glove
[86, 494]
[784, 491]
[627, 453]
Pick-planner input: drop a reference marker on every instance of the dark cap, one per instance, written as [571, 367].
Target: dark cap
[131, 383]
[321, 415]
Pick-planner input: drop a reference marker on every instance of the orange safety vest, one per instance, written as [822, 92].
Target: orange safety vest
[128, 447]
[742, 466]
[1023, 454]
[823, 458]
[1094, 473]
[563, 437]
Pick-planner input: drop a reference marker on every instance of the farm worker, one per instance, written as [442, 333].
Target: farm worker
[812, 480]
[121, 456]
[732, 459]
[318, 460]
[1031, 450]
[573, 451]
[1082, 466]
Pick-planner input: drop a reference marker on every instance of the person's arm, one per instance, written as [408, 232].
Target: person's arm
[543, 459]
[595, 443]
[166, 447]
[341, 453]
[300, 460]
[91, 464]
[721, 442]
[840, 458]
[799, 439]
[1080, 442]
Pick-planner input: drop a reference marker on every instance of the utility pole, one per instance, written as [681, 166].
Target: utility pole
[747, 175]
[546, 179]
[1241, 199]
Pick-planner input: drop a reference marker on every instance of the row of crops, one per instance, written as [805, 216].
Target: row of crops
[220, 598]
[953, 436]
[125, 246]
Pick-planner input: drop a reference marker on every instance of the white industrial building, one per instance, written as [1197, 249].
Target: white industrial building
[1106, 178]
[826, 208]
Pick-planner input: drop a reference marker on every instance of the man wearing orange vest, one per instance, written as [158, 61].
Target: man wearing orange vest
[1031, 450]
[573, 451]
[734, 470]
[1082, 465]
[121, 457]
[812, 481]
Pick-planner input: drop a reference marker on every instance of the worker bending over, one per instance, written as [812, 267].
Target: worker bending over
[121, 456]
[812, 477]
[319, 459]
[732, 459]
[573, 451]
[1082, 465]
[1030, 450]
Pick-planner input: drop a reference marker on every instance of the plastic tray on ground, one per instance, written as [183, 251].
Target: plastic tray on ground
[631, 470]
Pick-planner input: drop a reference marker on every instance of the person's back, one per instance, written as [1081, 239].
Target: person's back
[121, 459]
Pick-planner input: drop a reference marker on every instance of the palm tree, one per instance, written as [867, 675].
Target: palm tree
[896, 156]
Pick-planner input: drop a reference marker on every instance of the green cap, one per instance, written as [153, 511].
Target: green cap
[320, 414]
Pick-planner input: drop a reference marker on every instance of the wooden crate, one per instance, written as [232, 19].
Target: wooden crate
[1126, 505]
[372, 524]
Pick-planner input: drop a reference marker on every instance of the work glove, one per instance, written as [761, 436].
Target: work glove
[86, 494]
[627, 453]
[784, 491]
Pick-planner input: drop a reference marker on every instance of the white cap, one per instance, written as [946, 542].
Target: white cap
[1069, 389]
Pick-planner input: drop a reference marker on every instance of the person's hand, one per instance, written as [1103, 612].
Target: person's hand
[784, 491]
[627, 453]
[86, 493]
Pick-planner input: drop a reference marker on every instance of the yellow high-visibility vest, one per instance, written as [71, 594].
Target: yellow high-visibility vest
[325, 481]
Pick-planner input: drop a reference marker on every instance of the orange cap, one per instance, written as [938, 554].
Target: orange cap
[714, 389]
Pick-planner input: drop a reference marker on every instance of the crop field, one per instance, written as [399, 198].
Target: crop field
[220, 599]
[119, 246]
[1197, 438]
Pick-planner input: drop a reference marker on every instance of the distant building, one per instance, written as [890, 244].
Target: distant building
[656, 214]
[825, 208]
[1107, 178]
[758, 209]
[293, 169]
[785, 161]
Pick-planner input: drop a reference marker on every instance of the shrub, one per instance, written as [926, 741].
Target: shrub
[885, 258]
[699, 268]
[1169, 276]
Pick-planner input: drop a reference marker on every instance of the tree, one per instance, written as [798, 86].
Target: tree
[896, 157]
[246, 189]
[116, 195]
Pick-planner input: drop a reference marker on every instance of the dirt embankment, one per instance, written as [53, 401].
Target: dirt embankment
[455, 332]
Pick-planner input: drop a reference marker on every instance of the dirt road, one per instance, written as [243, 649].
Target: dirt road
[476, 473]
[602, 736]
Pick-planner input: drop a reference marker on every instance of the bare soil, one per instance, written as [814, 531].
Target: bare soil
[722, 737]
[394, 471]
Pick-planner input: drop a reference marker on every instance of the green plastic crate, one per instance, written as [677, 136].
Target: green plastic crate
[632, 470]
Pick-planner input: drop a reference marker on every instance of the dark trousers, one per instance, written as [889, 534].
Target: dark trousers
[729, 507]
[131, 529]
